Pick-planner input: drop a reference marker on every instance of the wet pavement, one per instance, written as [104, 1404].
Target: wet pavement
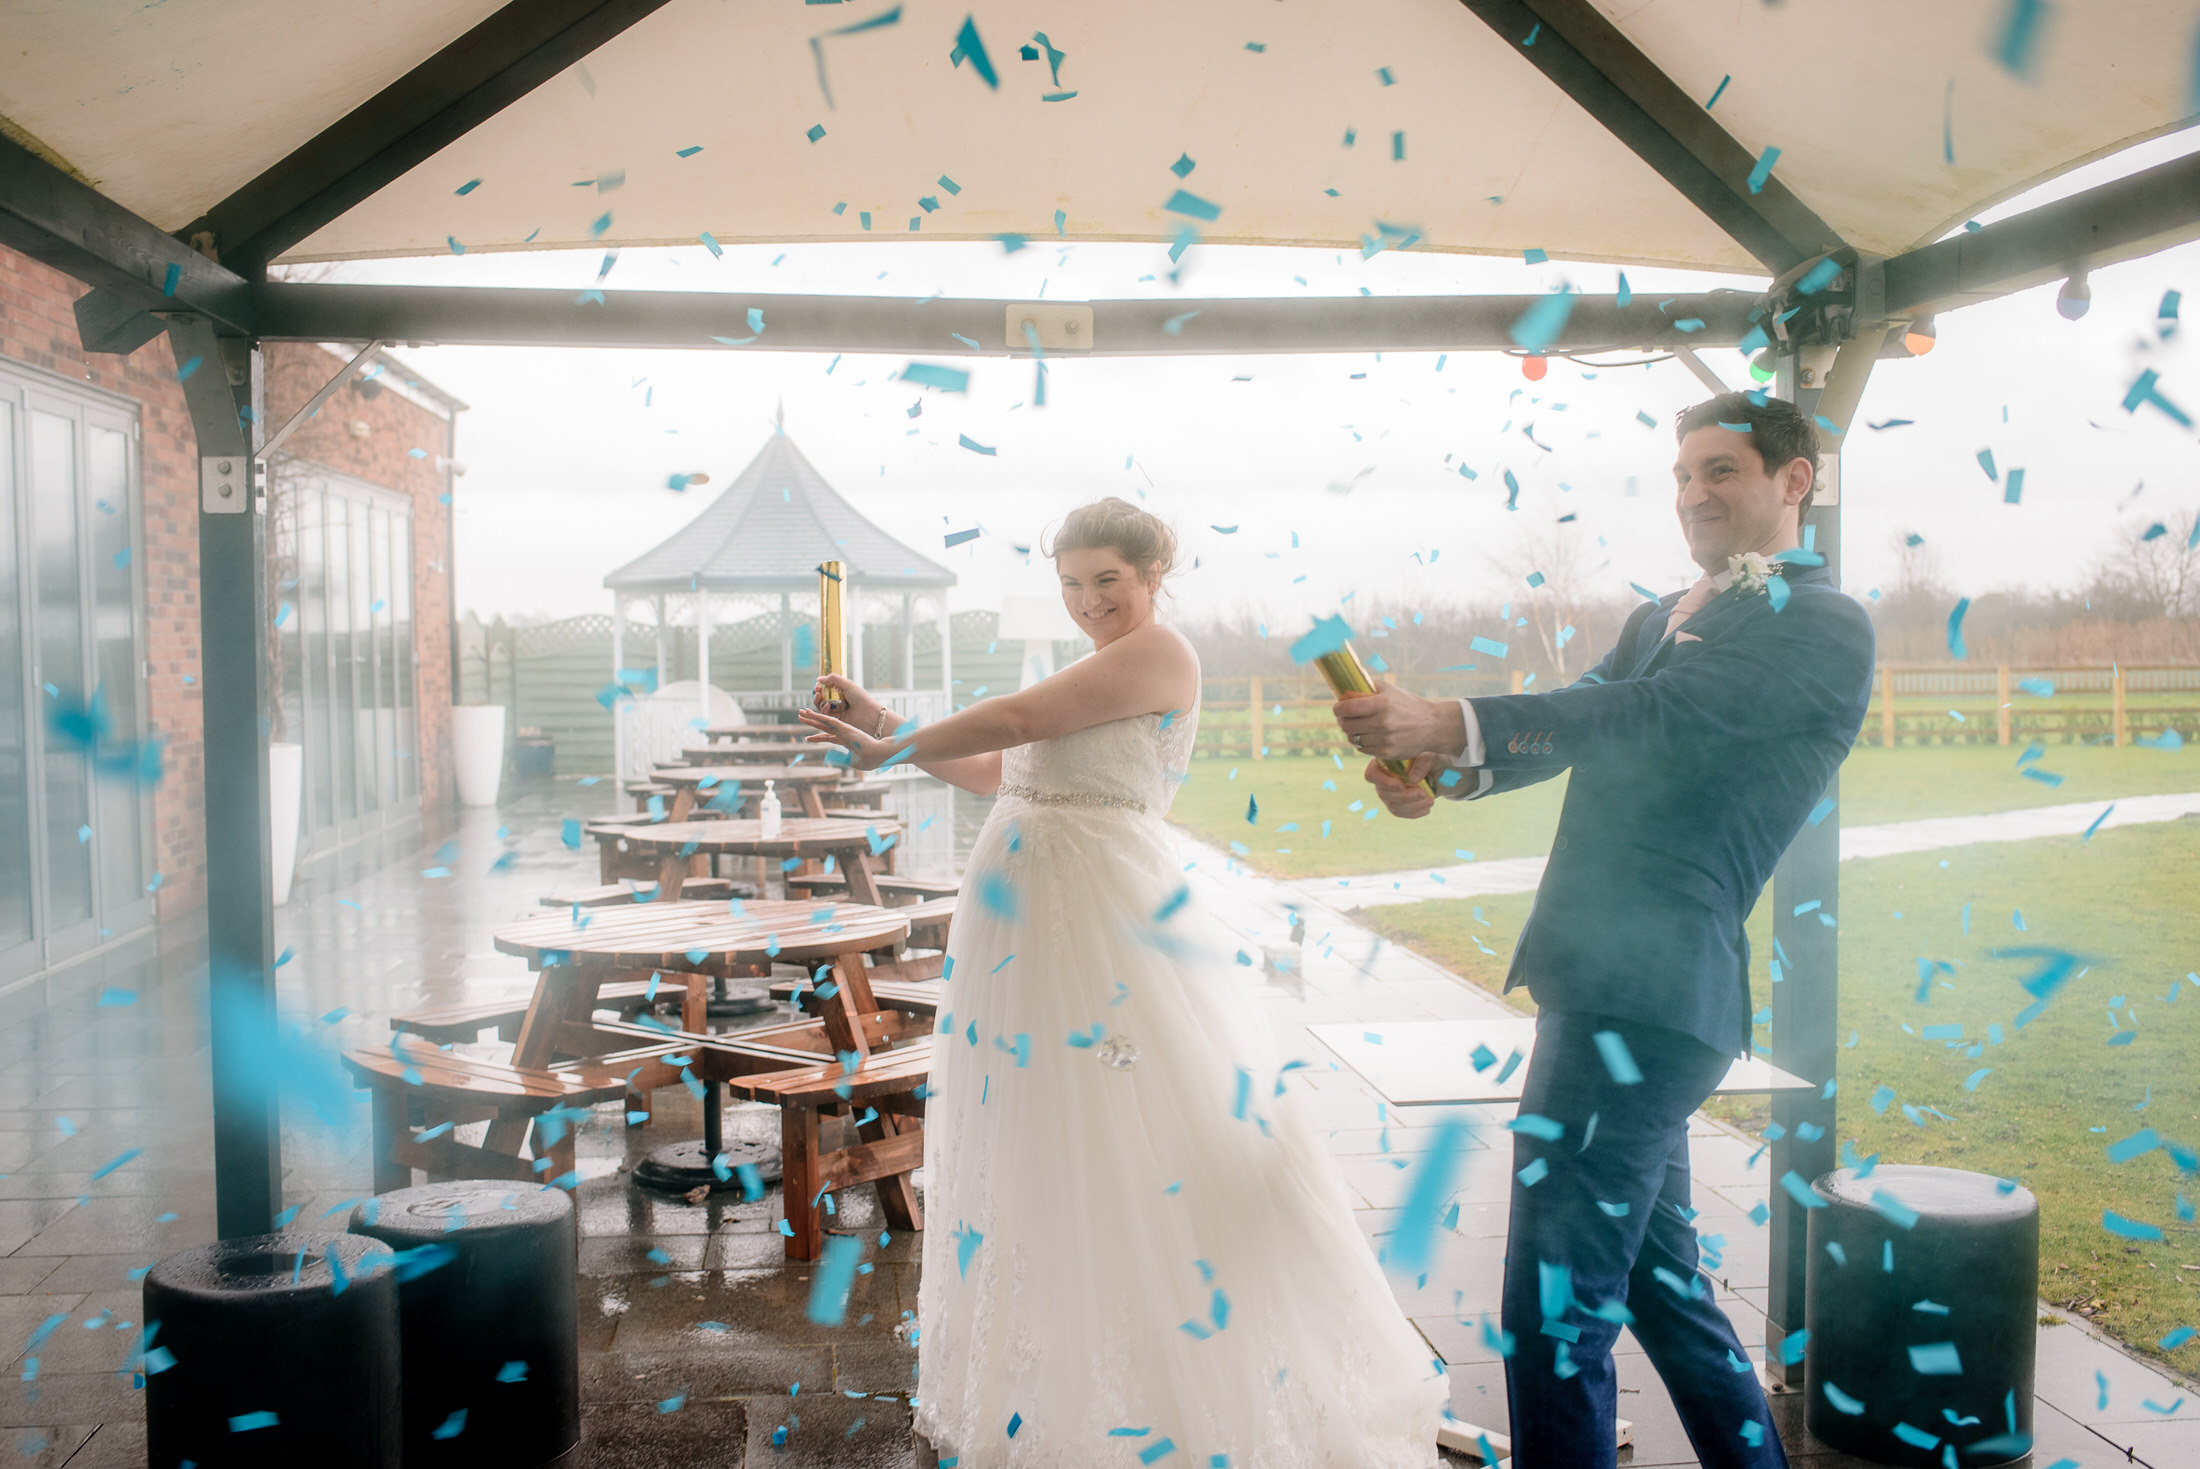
[695, 1343]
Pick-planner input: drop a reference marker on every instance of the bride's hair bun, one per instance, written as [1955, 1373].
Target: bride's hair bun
[1140, 537]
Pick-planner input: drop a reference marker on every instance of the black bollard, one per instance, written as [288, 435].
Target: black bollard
[275, 1350]
[1922, 1300]
[490, 1339]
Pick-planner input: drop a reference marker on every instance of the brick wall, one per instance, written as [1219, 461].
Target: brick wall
[38, 327]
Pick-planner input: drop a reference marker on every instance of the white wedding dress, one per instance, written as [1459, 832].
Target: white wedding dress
[1122, 1251]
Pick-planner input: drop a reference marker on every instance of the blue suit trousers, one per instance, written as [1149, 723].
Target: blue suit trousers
[1600, 1237]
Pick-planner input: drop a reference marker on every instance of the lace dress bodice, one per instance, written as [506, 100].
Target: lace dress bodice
[1130, 764]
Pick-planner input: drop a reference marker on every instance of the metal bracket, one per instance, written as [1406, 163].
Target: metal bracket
[226, 484]
[1056, 326]
[313, 404]
[1701, 369]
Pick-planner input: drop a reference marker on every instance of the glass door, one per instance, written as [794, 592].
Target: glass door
[75, 833]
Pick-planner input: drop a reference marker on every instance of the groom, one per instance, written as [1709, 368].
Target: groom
[1698, 747]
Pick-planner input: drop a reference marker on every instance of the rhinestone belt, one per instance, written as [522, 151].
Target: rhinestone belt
[1038, 797]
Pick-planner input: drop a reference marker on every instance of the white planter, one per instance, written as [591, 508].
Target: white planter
[286, 780]
[477, 752]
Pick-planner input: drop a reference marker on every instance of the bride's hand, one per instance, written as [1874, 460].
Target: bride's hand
[863, 709]
[864, 752]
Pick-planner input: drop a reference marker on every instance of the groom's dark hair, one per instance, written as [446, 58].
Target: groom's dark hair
[1781, 431]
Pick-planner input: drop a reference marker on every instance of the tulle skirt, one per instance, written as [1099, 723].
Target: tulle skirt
[1131, 1235]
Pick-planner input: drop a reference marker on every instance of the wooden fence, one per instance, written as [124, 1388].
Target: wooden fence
[1952, 704]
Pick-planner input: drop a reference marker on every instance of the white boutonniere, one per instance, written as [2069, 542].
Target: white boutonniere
[1751, 571]
[1762, 574]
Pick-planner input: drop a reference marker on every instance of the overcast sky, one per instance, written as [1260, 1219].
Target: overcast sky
[568, 451]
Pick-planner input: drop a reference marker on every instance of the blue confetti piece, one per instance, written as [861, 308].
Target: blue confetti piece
[1842, 1402]
[1763, 171]
[247, 1422]
[1800, 1190]
[1618, 1060]
[1328, 635]
[571, 833]
[974, 446]
[1541, 323]
[834, 1278]
[2117, 1224]
[1487, 646]
[2096, 826]
[2016, 43]
[1537, 1126]
[1955, 630]
[512, 1372]
[450, 1427]
[969, 47]
[1412, 1247]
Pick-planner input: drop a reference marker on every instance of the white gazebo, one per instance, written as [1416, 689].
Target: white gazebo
[751, 559]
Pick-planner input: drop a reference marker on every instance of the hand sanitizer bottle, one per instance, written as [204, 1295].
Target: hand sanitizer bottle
[767, 813]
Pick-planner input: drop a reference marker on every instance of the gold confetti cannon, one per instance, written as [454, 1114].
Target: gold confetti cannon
[832, 632]
[1347, 679]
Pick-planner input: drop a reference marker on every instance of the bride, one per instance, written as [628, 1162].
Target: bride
[1134, 1243]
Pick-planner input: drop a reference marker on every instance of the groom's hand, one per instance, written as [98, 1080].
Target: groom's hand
[1392, 724]
[1405, 795]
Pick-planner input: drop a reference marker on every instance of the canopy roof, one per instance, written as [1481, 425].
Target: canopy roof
[1307, 123]
[769, 531]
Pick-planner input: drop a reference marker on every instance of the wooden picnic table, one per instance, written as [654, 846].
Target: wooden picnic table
[754, 731]
[689, 780]
[757, 752]
[702, 938]
[573, 959]
[857, 844]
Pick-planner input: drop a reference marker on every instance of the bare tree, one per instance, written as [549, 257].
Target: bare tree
[2154, 571]
[1546, 564]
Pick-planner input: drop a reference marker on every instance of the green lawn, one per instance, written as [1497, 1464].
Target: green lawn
[1876, 786]
[2057, 1093]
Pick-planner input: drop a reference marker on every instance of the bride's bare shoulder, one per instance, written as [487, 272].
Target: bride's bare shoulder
[1163, 643]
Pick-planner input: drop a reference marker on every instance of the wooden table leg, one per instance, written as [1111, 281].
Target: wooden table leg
[862, 871]
[683, 802]
[812, 803]
[798, 1148]
[897, 1196]
[562, 993]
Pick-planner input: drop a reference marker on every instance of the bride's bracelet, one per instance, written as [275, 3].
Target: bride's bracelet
[879, 732]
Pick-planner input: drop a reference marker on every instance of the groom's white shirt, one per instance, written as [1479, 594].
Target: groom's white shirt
[1472, 757]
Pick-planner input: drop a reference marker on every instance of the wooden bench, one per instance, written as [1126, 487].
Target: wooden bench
[929, 922]
[883, 1096]
[912, 997]
[611, 895]
[892, 890]
[445, 1024]
[855, 796]
[421, 1096]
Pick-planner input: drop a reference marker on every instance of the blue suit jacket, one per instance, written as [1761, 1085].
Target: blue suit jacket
[1694, 765]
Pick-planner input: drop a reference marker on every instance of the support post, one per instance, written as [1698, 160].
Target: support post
[618, 712]
[947, 652]
[223, 393]
[702, 652]
[858, 669]
[2001, 702]
[908, 679]
[1252, 715]
[1806, 1003]
[2116, 700]
[663, 668]
[1886, 706]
